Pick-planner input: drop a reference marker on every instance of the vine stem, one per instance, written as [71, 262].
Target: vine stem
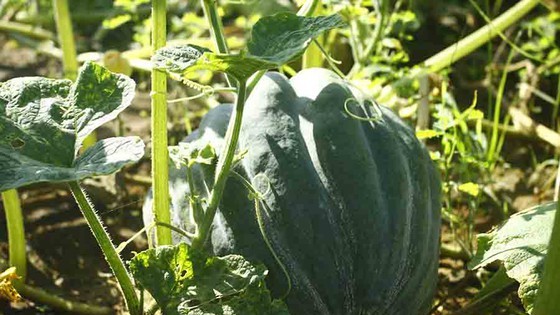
[160, 168]
[548, 298]
[59, 303]
[224, 166]
[26, 29]
[470, 43]
[16, 233]
[111, 255]
[210, 8]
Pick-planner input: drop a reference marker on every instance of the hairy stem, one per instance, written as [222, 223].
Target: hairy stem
[160, 168]
[223, 168]
[470, 43]
[108, 249]
[16, 233]
[548, 299]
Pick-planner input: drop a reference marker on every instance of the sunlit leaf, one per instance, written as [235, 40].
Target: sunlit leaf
[285, 36]
[43, 123]
[427, 134]
[188, 58]
[521, 245]
[472, 189]
[186, 282]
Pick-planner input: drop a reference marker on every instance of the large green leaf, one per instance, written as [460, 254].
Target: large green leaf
[521, 244]
[275, 41]
[44, 121]
[282, 37]
[186, 282]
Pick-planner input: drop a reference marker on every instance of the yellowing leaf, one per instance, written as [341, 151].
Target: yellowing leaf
[427, 134]
[7, 290]
[470, 188]
[475, 114]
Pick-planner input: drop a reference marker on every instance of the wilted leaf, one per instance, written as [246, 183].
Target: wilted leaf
[521, 244]
[7, 290]
[43, 123]
[187, 283]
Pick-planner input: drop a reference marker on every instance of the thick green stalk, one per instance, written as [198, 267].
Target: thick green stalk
[16, 233]
[111, 255]
[160, 168]
[68, 46]
[66, 38]
[210, 8]
[548, 299]
[25, 29]
[224, 166]
[480, 37]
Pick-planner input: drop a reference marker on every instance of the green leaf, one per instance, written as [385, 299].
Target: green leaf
[184, 59]
[285, 36]
[275, 41]
[43, 123]
[108, 156]
[184, 282]
[521, 244]
[103, 158]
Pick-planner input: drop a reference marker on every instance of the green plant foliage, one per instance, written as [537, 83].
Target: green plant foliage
[44, 121]
[275, 41]
[285, 36]
[521, 245]
[542, 33]
[186, 282]
[189, 58]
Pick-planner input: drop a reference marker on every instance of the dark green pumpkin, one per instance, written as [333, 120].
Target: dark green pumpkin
[353, 207]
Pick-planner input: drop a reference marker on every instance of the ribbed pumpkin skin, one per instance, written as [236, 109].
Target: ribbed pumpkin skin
[354, 206]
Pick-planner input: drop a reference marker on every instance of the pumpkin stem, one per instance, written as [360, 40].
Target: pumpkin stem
[225, 162]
